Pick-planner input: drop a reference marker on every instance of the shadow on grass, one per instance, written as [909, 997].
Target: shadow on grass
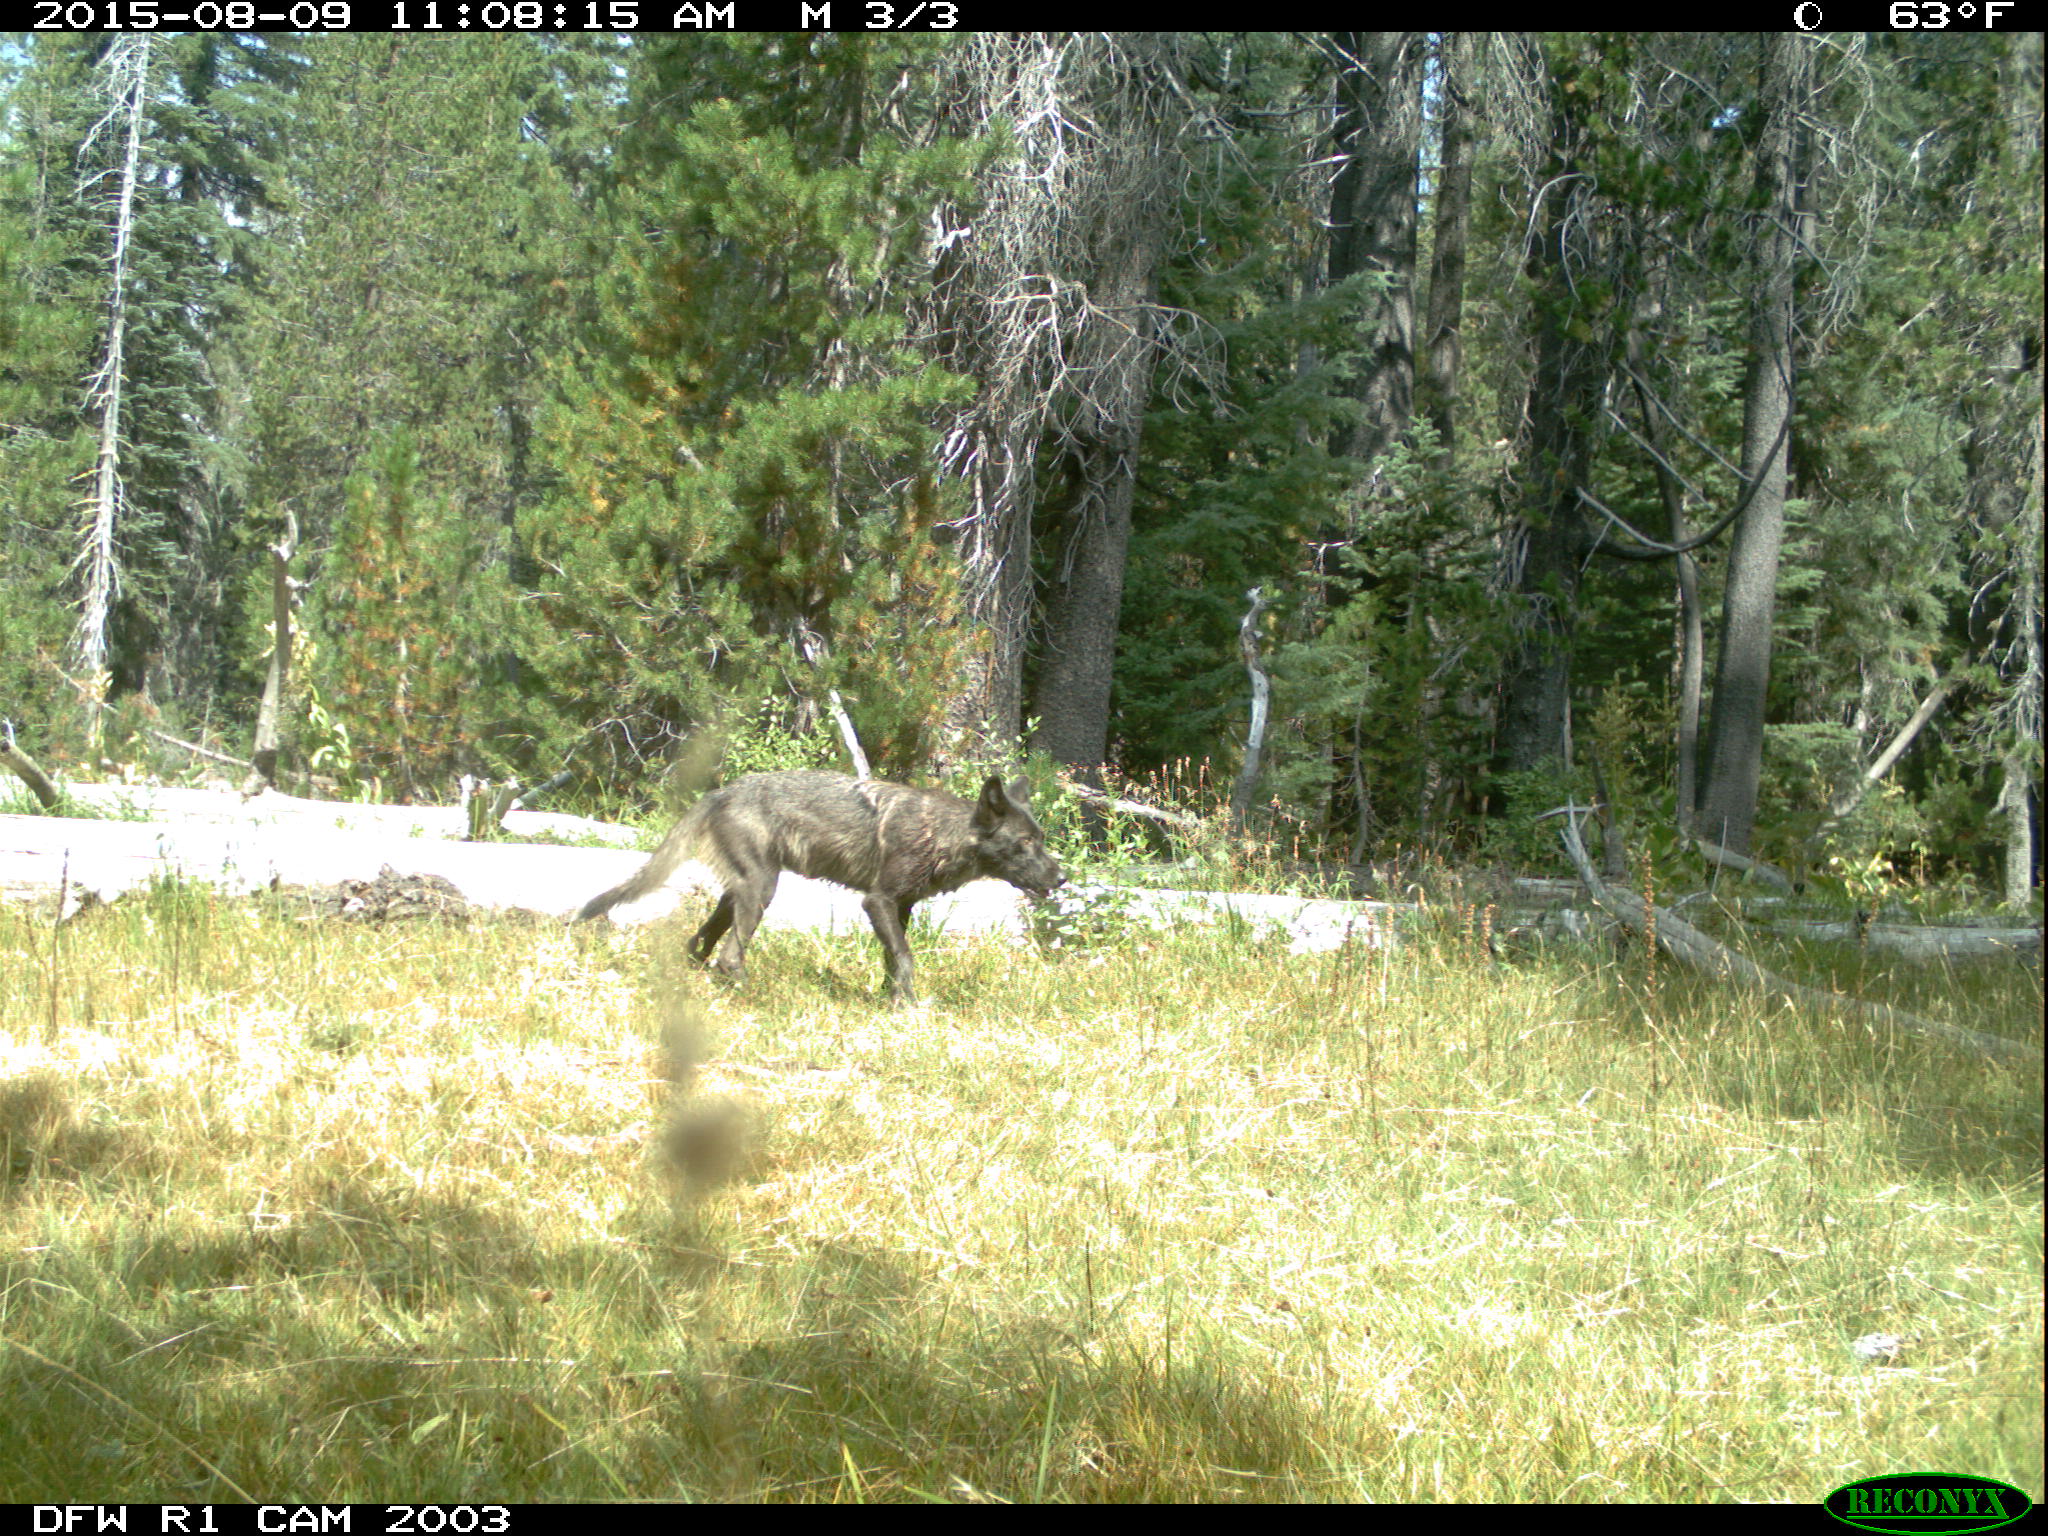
[430, 1351]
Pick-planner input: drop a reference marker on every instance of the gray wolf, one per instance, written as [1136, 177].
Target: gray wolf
[894, 844]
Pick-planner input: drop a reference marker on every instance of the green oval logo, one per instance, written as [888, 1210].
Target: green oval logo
[1936, 1503]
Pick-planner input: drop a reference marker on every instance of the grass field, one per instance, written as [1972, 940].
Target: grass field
[313, 1211]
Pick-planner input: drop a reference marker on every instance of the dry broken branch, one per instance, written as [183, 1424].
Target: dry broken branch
[1255, 736]
[198, 751]
[1742, 864]
[28, 770]
[1851, 797]
[1132, 808]
[1686, 943]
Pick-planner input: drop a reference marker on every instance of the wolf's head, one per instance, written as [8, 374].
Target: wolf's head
[1009, 843]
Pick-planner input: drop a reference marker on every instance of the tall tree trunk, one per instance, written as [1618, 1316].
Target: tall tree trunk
[1372, 220]
[1443, 353]
[283, 598]
[2005, 463]
[2003, 455]
[126, 68]
[995, 555]
[988, 317]
[1084, 595]
[2021, 791]
[1691, 644]
[1547, 545]
[1692, 652]
[1742, 671]
[1375, 141]
[1024, 299]
[1443, 341]
[1262, 695]
[2018, 804]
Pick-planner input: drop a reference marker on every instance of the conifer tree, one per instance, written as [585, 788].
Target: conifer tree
[417, 265]
[163, 195]
[402, 617]
[47, 325]
[747, 511]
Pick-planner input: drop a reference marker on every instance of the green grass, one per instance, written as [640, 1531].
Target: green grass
[18, 800]
[296, 1210]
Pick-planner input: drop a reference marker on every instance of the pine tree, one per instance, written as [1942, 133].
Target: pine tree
[151, 184]
[417, 267]
[402, 619]
[747, 509]
[48, 321]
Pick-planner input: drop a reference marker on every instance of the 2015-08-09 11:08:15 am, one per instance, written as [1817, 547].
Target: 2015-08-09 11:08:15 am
[342, 16]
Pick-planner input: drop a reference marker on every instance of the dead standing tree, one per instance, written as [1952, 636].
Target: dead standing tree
[284, 597]
[1262, 692]
[125, 74]
[1048, 299]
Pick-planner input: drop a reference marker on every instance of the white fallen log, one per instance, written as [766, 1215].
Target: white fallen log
[107, 859]
[1310, 924]
[111, 858]
[1919, 944]
[169, 803]
[1756, 869]
[1095, 796]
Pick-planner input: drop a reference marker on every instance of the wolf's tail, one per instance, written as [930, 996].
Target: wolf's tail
[674, 848]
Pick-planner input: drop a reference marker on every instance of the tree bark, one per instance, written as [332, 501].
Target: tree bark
[29, 771]
[1375, 142]
[1084, 597]
[1548, 543]
[992, 315]
[1442, 329]
[1255, 735]
[1106, 385]
[2016, 806]
[995, 553]
[1372, 221]
[1742, 670]
[2005, 463]
[1686, 576]
[1025, 298]
[1443, 355]
[263, 756]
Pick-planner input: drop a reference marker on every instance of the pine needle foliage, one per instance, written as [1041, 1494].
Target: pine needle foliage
[746, 510]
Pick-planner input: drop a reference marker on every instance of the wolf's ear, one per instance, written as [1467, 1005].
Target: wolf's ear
[994, 803]
[1020, 792]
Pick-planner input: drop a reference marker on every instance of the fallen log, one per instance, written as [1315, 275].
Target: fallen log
[28, 770]
[88, 860]
[1757, 870]
[1685, 943]
[1913, 943]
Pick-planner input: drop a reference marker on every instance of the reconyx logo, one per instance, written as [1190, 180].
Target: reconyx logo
[1947, 1503]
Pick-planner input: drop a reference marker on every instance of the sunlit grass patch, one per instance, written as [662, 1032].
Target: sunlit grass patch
[520, 1212]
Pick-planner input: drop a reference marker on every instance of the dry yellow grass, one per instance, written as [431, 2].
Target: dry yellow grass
[297, 1210]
